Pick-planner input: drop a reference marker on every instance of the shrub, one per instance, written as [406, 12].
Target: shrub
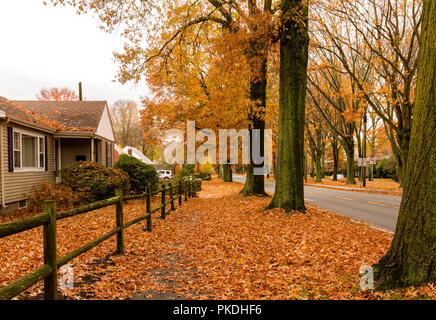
[140, 174]
[183, 172]
[63, 195]
[94, 180]
[385, 168]
[206, 168]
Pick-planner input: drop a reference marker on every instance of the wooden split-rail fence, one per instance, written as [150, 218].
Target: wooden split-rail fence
[49, 270]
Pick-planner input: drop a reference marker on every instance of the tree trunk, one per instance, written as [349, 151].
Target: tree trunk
[274, 165]
[221, 171]
[359, 152]
[228, 176]
[294, 41]
[318, 177]
[312, 168]
[323, 160]
[255, 185]
[411, 259]
[349, 150]
[335, 159]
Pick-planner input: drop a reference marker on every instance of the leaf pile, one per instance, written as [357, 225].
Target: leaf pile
[219, 246]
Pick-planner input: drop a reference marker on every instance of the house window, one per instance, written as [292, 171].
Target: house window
[41, 152]
[81, 157]
[29, 151]
[17, 150]
[22, 204]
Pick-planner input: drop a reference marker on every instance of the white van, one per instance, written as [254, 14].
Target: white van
[165, 174]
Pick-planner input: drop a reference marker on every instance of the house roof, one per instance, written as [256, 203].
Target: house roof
[137, 154]
[12, 109]
[78, 115]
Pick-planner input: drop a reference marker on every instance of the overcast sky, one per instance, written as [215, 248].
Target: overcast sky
[46, 46]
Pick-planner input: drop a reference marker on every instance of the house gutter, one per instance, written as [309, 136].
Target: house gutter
[28, 123]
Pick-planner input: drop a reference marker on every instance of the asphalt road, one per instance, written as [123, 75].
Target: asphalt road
[378, 210]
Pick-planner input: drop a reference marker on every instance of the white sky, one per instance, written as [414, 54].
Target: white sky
[46, 46]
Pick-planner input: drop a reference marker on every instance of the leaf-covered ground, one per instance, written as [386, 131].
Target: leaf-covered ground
[377, 184]
[219, 246]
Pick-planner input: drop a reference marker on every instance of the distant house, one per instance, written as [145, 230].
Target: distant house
[40, 138]
[134, 152]
[117, 152]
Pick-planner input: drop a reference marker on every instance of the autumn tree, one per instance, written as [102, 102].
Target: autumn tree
[411, 259]
[185, 30]
[338, 102]
[388, 39]
[57, 94]
[316, 133]
[126, 123]
[294, 43]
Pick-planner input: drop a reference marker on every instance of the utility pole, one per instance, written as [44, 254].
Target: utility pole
[364, 150]
[80, 91]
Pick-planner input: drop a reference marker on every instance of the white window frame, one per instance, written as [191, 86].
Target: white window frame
[38, 168]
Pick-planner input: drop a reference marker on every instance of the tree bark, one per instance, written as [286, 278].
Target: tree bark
[349, 151]
[228, 175]
[255, 184]
[294, 41]
[335, 159]
[411, 259]
[318, 176]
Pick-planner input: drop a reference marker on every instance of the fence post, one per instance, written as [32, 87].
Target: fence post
[185, 189]
[189, 189]
[180, 193]
[194, 189]
[119, 221]
[172, 196]
[50, 251]
[162, 212]
[148, 208]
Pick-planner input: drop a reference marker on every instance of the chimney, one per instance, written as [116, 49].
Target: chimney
[80, 91]
[129, 151]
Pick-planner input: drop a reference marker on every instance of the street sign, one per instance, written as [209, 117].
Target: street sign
[362, 162]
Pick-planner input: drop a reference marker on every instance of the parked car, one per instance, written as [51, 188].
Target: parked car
[205, 176]
[165, 174]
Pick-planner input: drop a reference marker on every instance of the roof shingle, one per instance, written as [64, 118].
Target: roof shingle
[80, 115]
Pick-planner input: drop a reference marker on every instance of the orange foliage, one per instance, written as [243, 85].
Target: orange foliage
[57, 94]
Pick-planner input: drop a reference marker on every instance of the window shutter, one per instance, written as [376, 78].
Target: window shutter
[45, 153]
[10, 150]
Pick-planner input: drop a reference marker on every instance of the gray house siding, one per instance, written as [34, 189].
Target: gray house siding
[17, 185]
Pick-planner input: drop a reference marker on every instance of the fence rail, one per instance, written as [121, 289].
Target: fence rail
[49, 270]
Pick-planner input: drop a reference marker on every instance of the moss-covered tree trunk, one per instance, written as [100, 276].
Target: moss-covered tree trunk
[294, 41]
[411, 259]
[228, 175]
[255, 184]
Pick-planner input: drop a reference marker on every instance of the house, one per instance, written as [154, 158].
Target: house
[134, 152]
[40, 138]
[117, 152]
